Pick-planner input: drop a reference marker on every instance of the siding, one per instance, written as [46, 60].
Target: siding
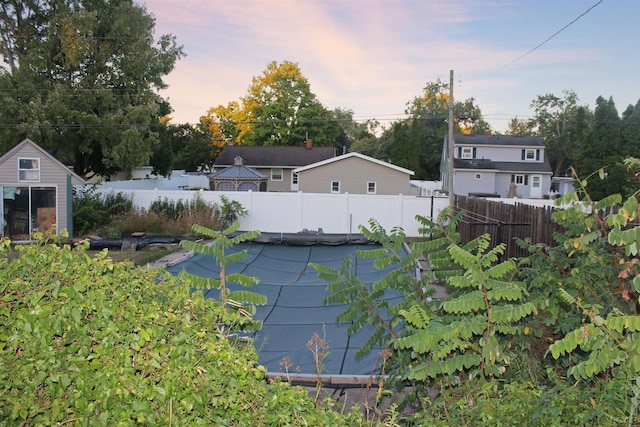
[52, 174]
[354, 173]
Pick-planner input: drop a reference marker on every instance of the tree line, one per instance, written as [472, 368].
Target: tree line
[82, 77]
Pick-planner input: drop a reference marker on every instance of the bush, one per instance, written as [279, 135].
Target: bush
[85, 341]
[93, 211]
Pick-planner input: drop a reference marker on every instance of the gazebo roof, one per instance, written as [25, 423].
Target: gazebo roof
[239, 172]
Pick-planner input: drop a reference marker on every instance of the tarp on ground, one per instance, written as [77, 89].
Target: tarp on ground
[295, 309]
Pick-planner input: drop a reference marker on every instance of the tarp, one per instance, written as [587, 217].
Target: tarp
[295, 309]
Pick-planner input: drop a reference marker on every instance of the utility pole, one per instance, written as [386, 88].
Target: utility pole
[452, 198]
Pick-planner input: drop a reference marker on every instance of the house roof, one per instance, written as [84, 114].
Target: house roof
[273, 156]
[505, 140]
[44, 154]
[357, 155]
[485, 164]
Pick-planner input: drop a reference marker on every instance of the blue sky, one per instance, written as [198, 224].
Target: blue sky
[374, 56]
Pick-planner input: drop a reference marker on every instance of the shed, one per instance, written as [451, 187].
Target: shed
[36, 192]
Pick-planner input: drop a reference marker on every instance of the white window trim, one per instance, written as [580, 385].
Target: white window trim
[294, 178]
[276, 178]
[375, 187]
[467, 152]
[36, 170]
[478, 176]
[331, 188]
[527, 152]
[515, 179]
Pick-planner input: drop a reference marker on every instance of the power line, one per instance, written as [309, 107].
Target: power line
[554, 34]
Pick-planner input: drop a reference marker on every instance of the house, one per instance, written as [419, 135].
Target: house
[276, 162]
[497, 166]
[353, 173]
[36, 192]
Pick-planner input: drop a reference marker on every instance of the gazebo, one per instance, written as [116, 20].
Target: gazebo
[238, 178]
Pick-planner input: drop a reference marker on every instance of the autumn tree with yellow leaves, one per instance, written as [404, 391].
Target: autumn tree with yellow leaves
[278, 109]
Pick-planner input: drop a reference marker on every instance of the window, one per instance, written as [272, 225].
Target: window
[467, 153]
[530, 154]
[335, 186]
[276, 174]
[519, 179]
[371, 187]
[294, 178]
[29, 169]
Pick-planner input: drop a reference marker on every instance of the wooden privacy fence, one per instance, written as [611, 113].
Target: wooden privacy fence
[505, 222]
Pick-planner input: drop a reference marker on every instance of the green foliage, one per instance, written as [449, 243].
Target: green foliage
[92, 210]
[588, 285]
[470, 332]
[520, 403]
[230, 211]
[367, 305]
[239, 306]
[82, 79]
[84, 341]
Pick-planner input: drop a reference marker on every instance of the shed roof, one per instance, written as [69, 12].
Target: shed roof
[53, 160]
[350, 155]
[273, 156]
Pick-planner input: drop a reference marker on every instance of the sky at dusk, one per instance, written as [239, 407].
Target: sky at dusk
[374, 56]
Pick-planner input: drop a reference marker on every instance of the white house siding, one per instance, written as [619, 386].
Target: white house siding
[505, 154]
[353, 174]
[467, 183]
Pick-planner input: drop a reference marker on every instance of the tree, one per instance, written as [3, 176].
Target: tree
[520, 127]
[278, 109]
[81, 78]
[562, 124]
[429, 114]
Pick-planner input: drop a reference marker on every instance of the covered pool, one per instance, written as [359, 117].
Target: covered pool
[295, 309]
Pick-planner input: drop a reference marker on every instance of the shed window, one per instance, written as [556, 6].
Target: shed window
[28, 169]
[335, 186]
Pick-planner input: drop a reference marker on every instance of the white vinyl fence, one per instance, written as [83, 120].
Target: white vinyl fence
[295, 212]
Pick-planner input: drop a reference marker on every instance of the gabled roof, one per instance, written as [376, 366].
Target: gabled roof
[273, 156]
[504, 140]
[358, 155]
[53, 160]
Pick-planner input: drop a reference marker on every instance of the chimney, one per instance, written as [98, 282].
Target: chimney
[308, 143]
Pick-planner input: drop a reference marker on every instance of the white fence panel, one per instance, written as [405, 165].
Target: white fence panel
[295, 212]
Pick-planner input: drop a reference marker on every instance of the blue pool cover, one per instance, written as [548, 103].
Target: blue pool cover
[295, 309]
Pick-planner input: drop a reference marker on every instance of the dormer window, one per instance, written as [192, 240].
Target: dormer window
[466, 152]
[530, 155]
[28, 169]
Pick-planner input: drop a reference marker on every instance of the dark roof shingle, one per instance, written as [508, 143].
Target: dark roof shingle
[273, 156]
